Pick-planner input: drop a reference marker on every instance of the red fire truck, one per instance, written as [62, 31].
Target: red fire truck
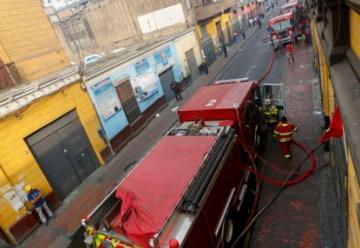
[280, 28]
[192, 189]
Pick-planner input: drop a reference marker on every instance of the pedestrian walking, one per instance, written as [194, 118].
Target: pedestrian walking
[259, 23]
[251, 21]
[205, 66]
[34, 196]
[284, 133]
[223, 46]
[290, 53]
[176, 89]
[307, 35]
[293, 37]
[243, 35]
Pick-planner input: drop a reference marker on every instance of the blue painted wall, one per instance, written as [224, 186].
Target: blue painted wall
[143, 76]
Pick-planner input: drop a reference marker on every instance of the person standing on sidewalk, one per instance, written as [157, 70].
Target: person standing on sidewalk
[205, 67]
[223, 46]
[284, 132]
[293, 38]
[174, 86]
[290, 53]
[34, 196]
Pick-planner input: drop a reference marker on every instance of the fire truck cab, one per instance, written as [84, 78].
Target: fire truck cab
[280, 28]
[192, 189]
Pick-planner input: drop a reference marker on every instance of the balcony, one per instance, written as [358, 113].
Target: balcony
[206, 11]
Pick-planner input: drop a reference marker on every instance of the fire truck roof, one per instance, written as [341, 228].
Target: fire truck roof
[158, 183]
[292, 4]
[218, 96]
[280, 18]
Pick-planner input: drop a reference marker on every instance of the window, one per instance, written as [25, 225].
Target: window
[281, 25]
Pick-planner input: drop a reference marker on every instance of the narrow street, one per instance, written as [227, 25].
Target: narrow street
[89, 89]
[250, 58]
[307, 209]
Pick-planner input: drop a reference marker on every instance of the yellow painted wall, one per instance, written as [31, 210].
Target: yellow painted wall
[27, 37]
[353, 181]
[355, 31]
[322, 65]
[211, 27]
[353, 201]
[17, 161]
[183, 44]
[328, 105]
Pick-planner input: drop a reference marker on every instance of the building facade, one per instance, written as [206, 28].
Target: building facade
[336, 38]
[48, 126]
[100, 26]
[128, 89]
[214, 25]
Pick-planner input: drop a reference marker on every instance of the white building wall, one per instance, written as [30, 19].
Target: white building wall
[161, 18]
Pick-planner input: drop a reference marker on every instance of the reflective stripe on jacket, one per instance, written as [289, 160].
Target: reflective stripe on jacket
[271, 114]
[284, 131]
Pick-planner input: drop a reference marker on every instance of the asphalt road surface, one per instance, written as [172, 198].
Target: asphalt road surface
[253, 60]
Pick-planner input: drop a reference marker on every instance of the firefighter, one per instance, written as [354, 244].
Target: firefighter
[284, 132]
[271, 114]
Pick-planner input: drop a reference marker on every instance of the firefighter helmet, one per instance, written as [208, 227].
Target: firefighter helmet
[267, 101]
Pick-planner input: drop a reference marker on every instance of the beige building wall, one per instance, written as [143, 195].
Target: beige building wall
[112, 24]
[184, 44]
[28, 39]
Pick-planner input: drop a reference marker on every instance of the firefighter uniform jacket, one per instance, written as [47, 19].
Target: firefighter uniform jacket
[284, 131]
[271, 114]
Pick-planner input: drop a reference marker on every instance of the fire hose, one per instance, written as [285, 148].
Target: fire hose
[277, 194]
[277, 182]
[282, 184]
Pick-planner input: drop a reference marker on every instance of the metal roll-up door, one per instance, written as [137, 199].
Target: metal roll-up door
[165, 79]
[64, 153]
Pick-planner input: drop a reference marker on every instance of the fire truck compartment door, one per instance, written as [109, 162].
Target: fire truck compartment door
[275, 92]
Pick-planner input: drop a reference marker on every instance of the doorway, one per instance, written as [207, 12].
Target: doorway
[209, 52]
[128, 101]
[191, 61]
[228, 31]
[64, 153]
[219, 33]
[165, 79]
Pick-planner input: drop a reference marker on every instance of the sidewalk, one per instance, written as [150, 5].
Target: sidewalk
[304, 214]
[66, 226]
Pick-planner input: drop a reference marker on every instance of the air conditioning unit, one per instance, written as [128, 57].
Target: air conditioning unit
[9, 75]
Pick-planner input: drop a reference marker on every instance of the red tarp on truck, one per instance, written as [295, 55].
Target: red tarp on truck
[151, 192]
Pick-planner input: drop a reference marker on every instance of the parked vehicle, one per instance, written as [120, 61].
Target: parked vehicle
[280, 28]
[290, 6]
[92, 58]
[193, 184]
